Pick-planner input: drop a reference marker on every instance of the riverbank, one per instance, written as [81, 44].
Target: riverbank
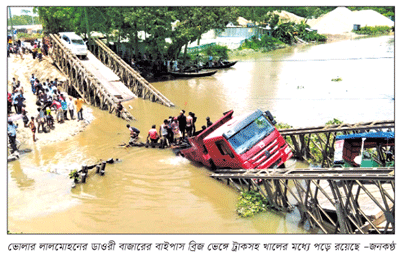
[22, 70]
[233, 54]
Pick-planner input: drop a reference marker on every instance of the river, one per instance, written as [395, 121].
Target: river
[152, 190]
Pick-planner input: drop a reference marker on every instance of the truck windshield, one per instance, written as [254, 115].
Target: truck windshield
[250, 135]
[77, 41]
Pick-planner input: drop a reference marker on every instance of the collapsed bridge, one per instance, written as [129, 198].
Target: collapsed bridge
[103, 81]
[335, 200]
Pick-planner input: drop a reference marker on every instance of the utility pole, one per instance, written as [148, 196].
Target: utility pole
[11, 23]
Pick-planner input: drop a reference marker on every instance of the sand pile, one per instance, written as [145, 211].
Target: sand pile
[338, 21]
[285, 16]
[22, 69]
[371, 18]
[342, 21]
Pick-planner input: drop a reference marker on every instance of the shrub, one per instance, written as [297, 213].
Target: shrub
[266, 43]
[377, 30]
[251, 203]
[217, 50]
[313, 36]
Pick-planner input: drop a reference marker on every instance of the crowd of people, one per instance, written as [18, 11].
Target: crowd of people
[52, 104]
[172, 131]
[36, 48]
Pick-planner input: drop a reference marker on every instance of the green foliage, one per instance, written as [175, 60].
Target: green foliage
[281, 126]
[313, 36]
[314, 150]
[23, 20]
[377, 30]
[74, 175]
[126, 23]
[338, 79]
[28, 37]
[334, 121]
[218, 51]
[313, 141]
[285, 32]
[265, 43]
[251, 203]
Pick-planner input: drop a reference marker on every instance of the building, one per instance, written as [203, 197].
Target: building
[29, 29]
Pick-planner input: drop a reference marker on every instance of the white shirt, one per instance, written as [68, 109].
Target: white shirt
[70, 105]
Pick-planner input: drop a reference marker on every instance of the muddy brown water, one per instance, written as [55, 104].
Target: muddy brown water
[152, 190]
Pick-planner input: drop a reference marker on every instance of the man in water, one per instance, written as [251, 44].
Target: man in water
[164, 133]
[119, 109]
[182, 123]
[209, 123]
[189, 124]
[134, 132]
[153, 135]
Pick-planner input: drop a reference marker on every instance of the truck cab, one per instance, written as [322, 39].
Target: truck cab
[368, 149]
[249, 141]
[75, 43]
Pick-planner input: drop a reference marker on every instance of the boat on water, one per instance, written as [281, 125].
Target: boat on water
[199, 73]
[225, 64]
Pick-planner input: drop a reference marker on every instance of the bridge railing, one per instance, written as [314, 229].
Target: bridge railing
[322, 139]
[81, 80]
[132, 79]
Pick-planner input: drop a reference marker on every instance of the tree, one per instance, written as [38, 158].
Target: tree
[195, 21]
[57, 19]
[285, 32]
[130, 22]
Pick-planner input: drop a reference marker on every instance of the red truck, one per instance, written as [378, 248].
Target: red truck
[249, 141]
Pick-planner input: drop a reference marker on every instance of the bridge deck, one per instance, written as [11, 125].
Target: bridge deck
[360, 196]
[107, 77]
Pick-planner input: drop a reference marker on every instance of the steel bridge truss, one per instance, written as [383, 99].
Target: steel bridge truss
[336, 200]
[82, 80]
[323, 139]
[132, 79]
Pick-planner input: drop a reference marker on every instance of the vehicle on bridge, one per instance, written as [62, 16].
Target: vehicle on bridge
[75, 43]
[249, 141]
[368, 149]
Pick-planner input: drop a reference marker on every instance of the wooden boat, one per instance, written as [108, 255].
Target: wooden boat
[193, 74]
[225, 64]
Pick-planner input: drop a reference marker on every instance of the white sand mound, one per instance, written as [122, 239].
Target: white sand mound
[285, 16]
[371, 18]
[338, 21]
[342, 20]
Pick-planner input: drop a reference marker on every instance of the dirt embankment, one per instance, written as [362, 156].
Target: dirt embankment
[22, 70]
